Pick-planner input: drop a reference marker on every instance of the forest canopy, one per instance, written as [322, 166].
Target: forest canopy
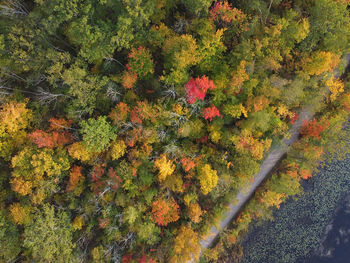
[127, 125]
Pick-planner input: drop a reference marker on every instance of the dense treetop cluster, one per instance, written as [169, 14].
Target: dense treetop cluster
[127, 125]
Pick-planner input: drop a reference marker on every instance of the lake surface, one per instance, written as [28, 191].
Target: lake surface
[335, 244]
[313, 228]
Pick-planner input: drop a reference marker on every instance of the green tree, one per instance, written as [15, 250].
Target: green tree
[49, 238]
[180, 52]
[94, 40]
[9, 238]
[149, 232]
[210, 43]
[84, 88]
[97, 134]
[24, 48]
[197, 7]
[329, 26]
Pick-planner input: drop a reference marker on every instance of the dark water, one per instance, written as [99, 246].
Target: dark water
[335, 245]
[315, 228]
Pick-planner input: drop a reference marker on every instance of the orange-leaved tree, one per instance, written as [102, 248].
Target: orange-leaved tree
[314, 128]
[165, 211]
[75, 178]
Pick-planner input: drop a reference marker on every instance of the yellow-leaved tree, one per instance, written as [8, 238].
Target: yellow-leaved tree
[118, 149]
[270, 198]
[238, 78]
[195, 212]
[165, 167]
[78, 151]
[336, 87]
[247, 144]
[20, 214]
[207, 178]
[186, 246]
[320, 62]
[15, 117]
[37, 172]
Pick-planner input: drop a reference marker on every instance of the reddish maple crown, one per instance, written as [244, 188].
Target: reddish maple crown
[197, 88]
[313, 128]
[225, 12]
[211, 112]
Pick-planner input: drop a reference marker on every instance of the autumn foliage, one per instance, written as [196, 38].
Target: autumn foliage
[336, 87]
[305, 174]
[75, 177]
[97, 178]
[165, 211]
[119, 113]
[210, 112]
[129, 79]
[56, 136]
[246, 143]
[165, 167]
[50, 139]
[314, 128]
[187, 164]
[271, 198]
[320, 62]
[20, 214]
[126, 125]
[79, 152]
[58, 124]
[207, 177]
[186, 245]
[140, 62]
[197, 88]
[223, 11]
[15, 116]
[195, 212]
[142, 111]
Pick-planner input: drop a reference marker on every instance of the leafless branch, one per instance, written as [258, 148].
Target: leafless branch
[12, 8]
[113, 59]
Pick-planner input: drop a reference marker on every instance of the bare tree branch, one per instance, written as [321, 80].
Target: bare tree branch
[12, 8]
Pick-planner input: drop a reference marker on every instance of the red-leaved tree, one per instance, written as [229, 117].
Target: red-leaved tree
[96, 178]
[223, 11]
[119, 113]
[211, 112]
[187, 164]
[197, 88]
[313, 128]
[57, 124]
